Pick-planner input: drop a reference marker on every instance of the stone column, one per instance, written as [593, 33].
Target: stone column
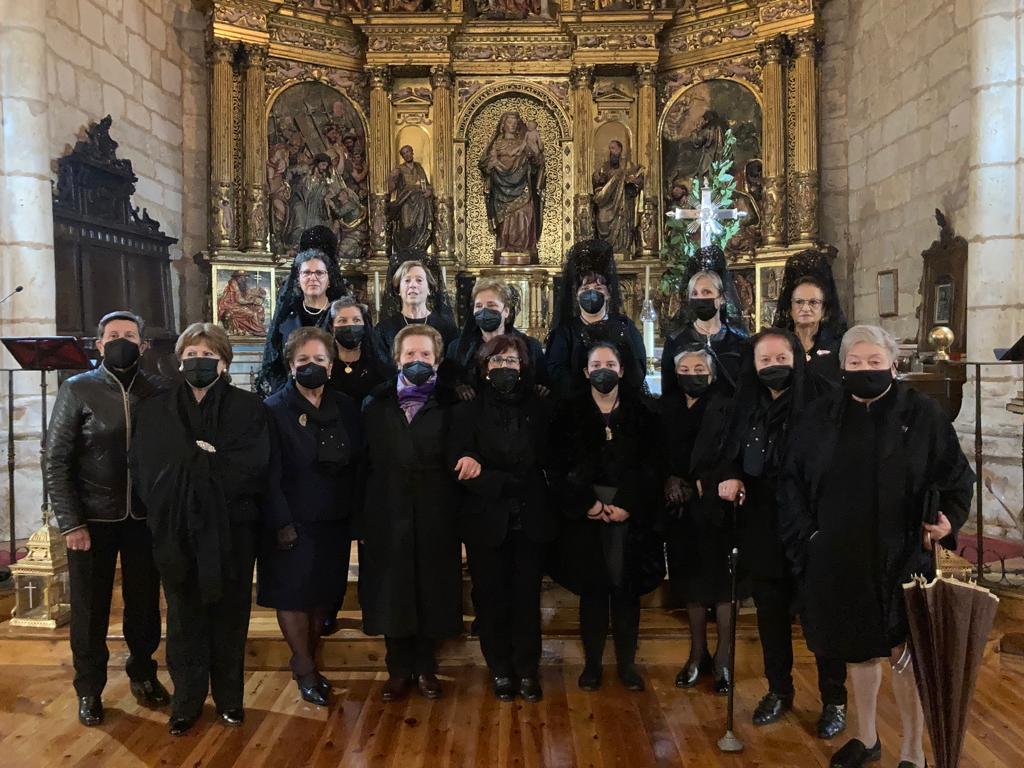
[254, 148]
[222, 147]
[805, 196]
[773, 217]
[443, 82]
[646, 146]
[26, 241]
[582, 80]
[380, 157]
[995, 268]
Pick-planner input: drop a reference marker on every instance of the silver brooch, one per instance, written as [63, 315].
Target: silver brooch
[206, 446]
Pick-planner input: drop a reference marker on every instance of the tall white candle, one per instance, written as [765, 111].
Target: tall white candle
[647, 282]
[649, 338]
[376, 293]
[444, 278]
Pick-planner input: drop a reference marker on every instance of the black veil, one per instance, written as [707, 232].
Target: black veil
[816, 264]
[584, 257]
[710, 258]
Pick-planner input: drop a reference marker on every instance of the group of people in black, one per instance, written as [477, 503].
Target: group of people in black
[797, 446]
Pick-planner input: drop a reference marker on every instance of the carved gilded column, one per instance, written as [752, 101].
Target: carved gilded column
[582, 80]
[222, 205]
[254, 168]
[805, 196]
[380, 156]
[773, 217]
[646, 143]
[443, 82]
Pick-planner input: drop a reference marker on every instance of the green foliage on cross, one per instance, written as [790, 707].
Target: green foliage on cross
[680, 243]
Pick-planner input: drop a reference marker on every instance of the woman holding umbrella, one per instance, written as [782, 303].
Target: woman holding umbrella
[863, 463]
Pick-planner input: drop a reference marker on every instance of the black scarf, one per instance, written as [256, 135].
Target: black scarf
[333, 447]
[762, 450]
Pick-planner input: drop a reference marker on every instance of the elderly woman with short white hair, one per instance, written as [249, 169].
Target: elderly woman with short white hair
[874, 478]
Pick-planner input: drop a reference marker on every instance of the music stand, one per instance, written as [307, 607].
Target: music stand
[43, 354]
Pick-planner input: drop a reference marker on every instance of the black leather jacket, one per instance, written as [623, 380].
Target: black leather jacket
[87, 448]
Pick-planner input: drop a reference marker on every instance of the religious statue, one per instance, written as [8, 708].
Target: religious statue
[353, 166]
[617, 185]
[507, 9]
[241, 308]
[407, 5]
[411, 204]
[513, 169]
[708, 140]
[320, 196]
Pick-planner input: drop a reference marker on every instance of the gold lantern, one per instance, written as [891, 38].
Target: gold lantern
[42, 598]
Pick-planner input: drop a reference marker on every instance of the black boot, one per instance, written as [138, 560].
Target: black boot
[90, 710]
[150, 693]
[772, 707]
[590, 677]
[504, 688]
[832, 721]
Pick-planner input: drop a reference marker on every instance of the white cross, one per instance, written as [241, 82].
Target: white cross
[707, 217]
[30, 588]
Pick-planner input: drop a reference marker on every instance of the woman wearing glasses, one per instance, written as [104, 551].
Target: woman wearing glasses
[314, 282]
[504, 514]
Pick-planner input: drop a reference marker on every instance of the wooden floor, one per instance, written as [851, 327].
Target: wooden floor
[663, 726]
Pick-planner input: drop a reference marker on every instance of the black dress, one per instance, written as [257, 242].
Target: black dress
[314, 487]
[388, 328]
[853, 491]
[505, 521]
[201, 471]
[567, 353]
[728, 347]
[823, 366]
[359, 379]
[700, 538]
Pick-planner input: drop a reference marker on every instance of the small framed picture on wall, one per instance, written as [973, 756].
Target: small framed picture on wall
[888, 293]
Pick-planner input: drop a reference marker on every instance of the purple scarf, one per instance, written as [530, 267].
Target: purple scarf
[411, 397]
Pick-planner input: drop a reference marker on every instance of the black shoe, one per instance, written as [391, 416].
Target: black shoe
[771, 708]
[723, 682]
[630, 677]
[329, 627]
[90, 710]
[429, 686]
[178, 726]
[832, 721]
[150, 693]
[504, 688]
[688, 676]
[233, 717]
[854, 754]
[529, 689]
[396, 688]
[908, 764]
[323, 685]
[590, 678]
[314, 693]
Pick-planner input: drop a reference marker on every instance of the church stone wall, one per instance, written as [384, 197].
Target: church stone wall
[143, 63]
[895, 126]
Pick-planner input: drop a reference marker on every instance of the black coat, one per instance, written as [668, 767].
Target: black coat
[728, 349]
[823, 369]
[582, 457]
[410, 568]
[274, 374]
[916, 449]
[510, 440]
[368, 372]
[200, 469]
[87, 448]
[567, 353]
[388, 329]
[463, 351]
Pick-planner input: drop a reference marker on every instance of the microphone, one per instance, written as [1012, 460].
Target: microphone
[19, 289]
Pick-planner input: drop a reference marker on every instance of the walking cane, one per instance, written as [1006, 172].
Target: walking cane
[729, 742]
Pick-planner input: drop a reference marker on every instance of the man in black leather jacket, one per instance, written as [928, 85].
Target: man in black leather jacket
[100, 517]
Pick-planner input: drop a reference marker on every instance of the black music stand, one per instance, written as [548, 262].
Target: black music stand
[43, 354]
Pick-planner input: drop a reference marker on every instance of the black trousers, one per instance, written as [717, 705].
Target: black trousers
[506, 596]
[624, 609]
[775, 599]
[91, 574]
[410, 656]
[206, 642]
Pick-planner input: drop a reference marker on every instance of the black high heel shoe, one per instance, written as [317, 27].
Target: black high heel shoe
[723, 681]
[314, 693]
[688, 676]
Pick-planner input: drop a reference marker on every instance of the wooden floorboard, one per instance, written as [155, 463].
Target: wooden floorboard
[663, 726]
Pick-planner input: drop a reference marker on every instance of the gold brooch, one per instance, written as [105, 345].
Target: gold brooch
[302, 419]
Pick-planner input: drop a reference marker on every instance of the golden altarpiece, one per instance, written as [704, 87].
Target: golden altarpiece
[340, 87]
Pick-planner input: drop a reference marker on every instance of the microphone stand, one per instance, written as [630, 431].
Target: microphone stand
[729, 742]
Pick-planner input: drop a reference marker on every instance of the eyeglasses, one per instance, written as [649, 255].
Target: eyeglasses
[813, 303]
[504, 361]
[319, 274]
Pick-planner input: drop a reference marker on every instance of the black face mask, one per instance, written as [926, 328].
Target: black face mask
[311, 375]
[777, 377]
[488, 320]
[693, 384]
[591, 301]
[705, 309]
[417, 373]
[867, 384]
[350, 336]
[604, 380]
[200, 372]
[503, 380]
[121, 353]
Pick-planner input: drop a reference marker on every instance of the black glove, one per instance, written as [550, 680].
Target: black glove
[287, 537]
